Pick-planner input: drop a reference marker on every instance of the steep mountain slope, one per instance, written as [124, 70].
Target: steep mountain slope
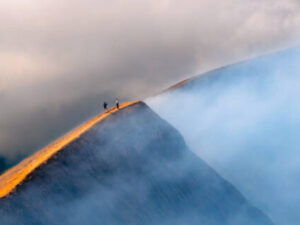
[244, 121]
[131, 167]
[12, 177]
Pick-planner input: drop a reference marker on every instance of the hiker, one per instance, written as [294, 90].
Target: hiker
[105, 105]
[117, 103]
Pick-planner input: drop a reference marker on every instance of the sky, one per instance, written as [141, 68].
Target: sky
[60, 59]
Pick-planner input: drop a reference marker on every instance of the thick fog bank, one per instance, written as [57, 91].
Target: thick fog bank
[244, 120]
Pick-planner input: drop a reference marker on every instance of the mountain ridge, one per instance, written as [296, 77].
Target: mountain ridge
[132, 168]
[15, 175]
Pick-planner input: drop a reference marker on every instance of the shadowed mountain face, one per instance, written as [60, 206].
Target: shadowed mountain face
[244, 120]
[130, 168]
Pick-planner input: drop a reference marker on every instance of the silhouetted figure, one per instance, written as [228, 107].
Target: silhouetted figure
[117, 103]
[105, 106]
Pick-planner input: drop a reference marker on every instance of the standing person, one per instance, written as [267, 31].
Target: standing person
[117, 103]
[105, 106]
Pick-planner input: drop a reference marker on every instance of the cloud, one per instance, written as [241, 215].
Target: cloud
[244, 121]
[59, 59]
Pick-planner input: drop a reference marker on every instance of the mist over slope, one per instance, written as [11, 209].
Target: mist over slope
[130, 168]
[244, 120]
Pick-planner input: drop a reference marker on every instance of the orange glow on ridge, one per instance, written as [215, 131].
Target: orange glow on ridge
[14, 176]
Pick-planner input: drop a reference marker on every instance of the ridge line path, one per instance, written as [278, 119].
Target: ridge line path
[14, 176]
